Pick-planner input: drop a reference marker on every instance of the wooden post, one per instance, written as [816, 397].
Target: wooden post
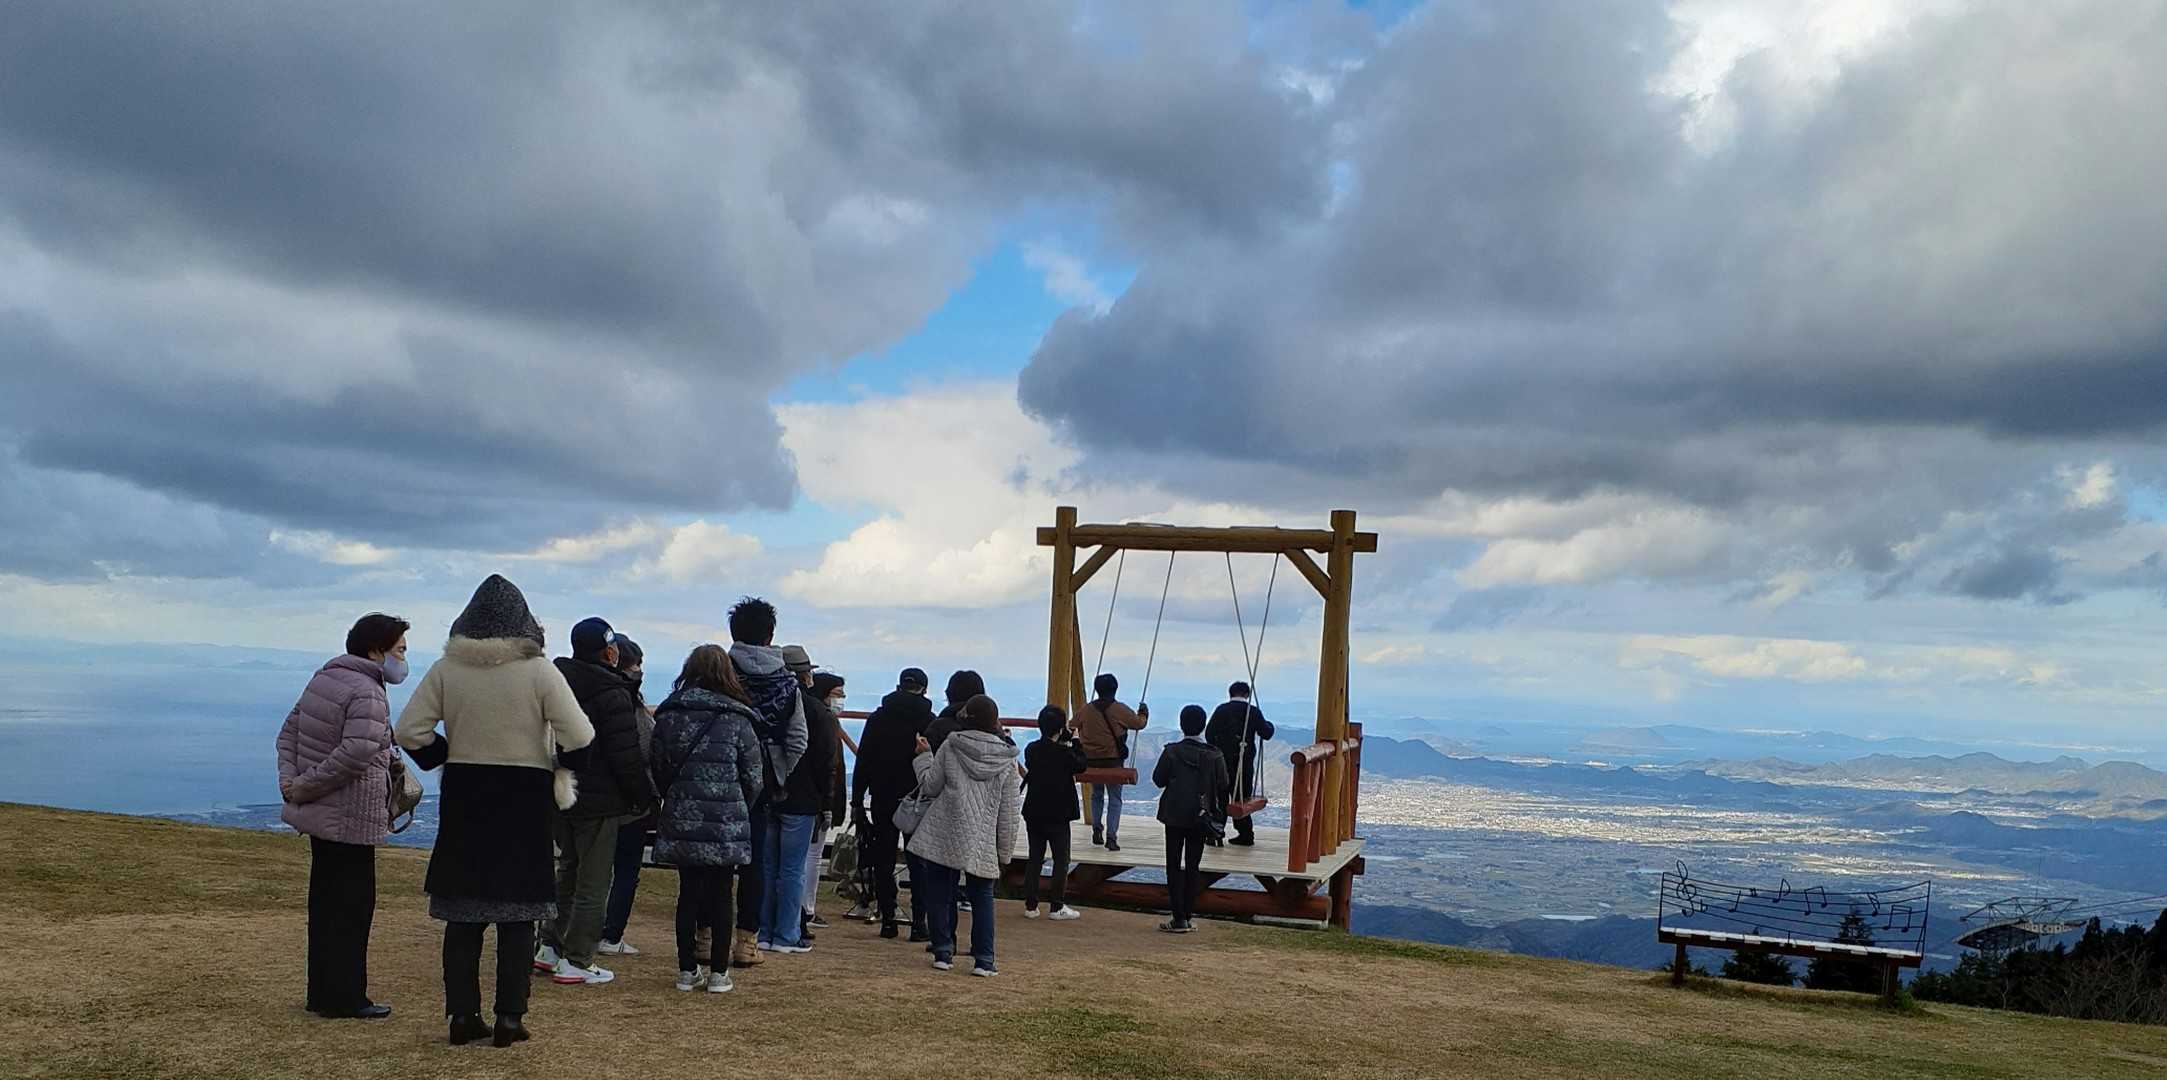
[1354, 776]
[1677, 966]
[1303, 813]
[1061, 642]
[1332, 674]
[1343, 898]
[1889, 983]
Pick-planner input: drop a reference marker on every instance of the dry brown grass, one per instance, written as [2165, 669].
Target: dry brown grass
[148, 949]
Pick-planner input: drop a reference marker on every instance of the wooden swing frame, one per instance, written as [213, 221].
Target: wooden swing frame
[1326, 772]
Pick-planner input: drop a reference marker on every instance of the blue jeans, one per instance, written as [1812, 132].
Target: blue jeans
[941, 893]
[1106, 801]
[631, 848]
[783, 840]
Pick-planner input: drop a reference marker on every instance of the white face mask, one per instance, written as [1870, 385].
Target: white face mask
[394, 669]
[835, 704]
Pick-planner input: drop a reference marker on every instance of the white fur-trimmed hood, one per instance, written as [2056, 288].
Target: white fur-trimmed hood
[490, 652]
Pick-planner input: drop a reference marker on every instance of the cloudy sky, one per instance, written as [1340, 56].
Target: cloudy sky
[1743, 363]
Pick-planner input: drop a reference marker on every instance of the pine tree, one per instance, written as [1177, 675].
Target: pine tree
[1845, 972]
[1759, 967]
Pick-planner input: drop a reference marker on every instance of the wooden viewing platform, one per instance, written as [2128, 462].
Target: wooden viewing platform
[1319, 892]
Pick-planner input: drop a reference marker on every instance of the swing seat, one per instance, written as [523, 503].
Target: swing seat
[1122, 776]
[1241, 808]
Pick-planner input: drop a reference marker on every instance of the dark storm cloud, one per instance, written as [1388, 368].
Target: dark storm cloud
[1538, 283]
[477, 274]
[2010, 575]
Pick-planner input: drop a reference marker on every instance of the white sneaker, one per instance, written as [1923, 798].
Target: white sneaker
[688, 981]
[1065, 914]
[942, 965]
[862, 913]
[1030, 913]
[546, 959]
[718, 982]
[788, 950]
[571, 974]
[983, 972]
[616, 948]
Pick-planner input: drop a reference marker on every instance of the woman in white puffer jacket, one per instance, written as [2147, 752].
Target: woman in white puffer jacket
[969, 828]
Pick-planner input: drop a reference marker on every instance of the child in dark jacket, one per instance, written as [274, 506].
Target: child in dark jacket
[1194, 783]
[1049, 805]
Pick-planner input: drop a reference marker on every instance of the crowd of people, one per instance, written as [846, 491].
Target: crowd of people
[556, 773]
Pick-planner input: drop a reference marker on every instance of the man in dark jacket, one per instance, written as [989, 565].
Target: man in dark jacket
[884, 772]
[962, 686]
[789, 832]
[1049, 804]
[1235, 730]
[613, 790]
[1193, 782]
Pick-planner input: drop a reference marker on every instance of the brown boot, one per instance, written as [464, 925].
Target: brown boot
[745, 950]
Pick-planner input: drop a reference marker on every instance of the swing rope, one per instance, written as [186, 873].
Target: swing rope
[1121, 560]
[1248, 661]
[1144, 698]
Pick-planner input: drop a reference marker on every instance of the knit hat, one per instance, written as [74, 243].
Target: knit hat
[826, 683]
[591, 636]
[795, 658]
[912, 679]
[963, 685]
[498, 610]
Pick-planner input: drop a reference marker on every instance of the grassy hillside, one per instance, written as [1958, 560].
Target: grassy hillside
[138, 948]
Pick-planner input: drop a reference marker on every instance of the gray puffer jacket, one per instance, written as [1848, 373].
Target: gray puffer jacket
[977, 801]
[706, 763]
[335, 748]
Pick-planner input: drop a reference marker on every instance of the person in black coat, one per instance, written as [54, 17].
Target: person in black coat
[1235, 730]
[613, 790]
[962, 687]
[884, 772]
[1049, 804]
[1193, 781]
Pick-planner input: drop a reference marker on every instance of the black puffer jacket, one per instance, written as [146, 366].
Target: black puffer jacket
[1049, 789]
[885, 748]
[1195, 780]
[613, 775]
[707, 766]
[807, 790]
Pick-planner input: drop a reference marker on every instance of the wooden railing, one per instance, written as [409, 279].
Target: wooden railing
[1088, 776]
[1318, 831]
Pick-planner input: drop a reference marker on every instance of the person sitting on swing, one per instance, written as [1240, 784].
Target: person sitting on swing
[1236, 729]
[1102, 727]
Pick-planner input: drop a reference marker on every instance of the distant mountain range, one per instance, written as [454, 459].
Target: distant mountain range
[2122, 781]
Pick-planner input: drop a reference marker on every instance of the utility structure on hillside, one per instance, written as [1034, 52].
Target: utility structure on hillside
[2018, 922]
[1320, 850]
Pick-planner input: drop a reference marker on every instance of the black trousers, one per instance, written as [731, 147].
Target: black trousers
[463, 967]
[751, 883]
[703, 899]
[1047, 836]
[1184, 850]
[341, 908]
[881, 840]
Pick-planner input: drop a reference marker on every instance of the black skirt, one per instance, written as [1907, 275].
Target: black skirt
[493, 848]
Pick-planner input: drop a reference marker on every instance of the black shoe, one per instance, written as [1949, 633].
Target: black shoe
[1098, 836]
[1213, 841]
[1111, 846]
[468, 1028]
[1243, 841]
[889, 931]
[510, 1030]
[1186, 927]
[1170, 926]
[917, 936]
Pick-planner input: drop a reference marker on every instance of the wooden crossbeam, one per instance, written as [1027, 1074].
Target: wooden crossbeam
[1308, 566]
[1238, 540]
[1091, 566]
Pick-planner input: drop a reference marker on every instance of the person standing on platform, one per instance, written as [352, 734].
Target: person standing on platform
[1103, 728]
[508, 720]
[613, 791]
[1193, 784]
[1236, 729]
[1049, 804]
[969, 828]
[335, 763]
[884, 774]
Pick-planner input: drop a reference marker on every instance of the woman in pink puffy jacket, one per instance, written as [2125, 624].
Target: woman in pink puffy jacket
[334, 772]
